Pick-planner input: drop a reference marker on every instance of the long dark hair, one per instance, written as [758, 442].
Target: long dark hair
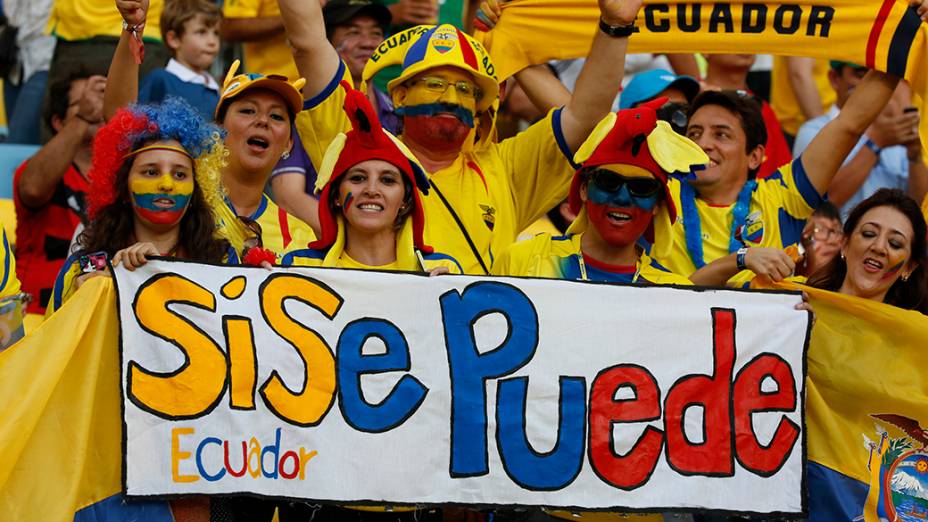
[911, 294]
[112, 229]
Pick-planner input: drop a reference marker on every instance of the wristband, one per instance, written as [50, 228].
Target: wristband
[135, 42]
[873, 146]
[739, 258]
[616, 31]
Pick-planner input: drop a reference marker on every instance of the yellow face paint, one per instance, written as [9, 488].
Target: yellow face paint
[161, 184]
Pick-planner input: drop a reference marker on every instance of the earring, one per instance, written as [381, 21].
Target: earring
[842, 256]
[905, 277]
[285, 155]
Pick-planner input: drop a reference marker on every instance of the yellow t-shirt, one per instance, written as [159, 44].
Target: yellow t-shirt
[496, 190]
[280, 232]
[268, 56]
[82, 19]
[779, 208]
[783, 99]
[560, 257]
[312, 257]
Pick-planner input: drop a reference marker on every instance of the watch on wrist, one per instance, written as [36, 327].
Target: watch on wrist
[616, 31]
[740, 256]
[873, 146]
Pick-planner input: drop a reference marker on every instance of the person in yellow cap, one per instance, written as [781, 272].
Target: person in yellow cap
[620, 197]
[370, 211]
[256, 111]
[482, 193]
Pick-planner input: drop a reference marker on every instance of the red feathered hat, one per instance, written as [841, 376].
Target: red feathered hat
[367, 140]
[635, 137]
[626, 143]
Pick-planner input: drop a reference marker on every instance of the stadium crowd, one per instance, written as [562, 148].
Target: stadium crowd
[371, 134]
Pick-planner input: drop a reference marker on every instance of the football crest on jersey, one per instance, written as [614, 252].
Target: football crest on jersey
[751, 232]
[489, 216]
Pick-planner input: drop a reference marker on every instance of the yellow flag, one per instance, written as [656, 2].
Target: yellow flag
[867, 381]
[62, 423]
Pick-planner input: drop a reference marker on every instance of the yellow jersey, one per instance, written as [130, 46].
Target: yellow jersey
[82, 19]
[779, 207]
[783, 99]
[408, 259]
[267, 56]
[560, 257]
[492, 192]
[280, 232]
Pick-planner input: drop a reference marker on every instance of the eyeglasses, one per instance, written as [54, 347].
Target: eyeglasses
[609, 181]
[440, 85]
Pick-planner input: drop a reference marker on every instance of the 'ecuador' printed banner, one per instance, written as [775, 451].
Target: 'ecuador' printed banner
[394, 388]
[882, 34]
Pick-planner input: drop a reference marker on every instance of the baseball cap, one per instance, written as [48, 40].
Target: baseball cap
[236, 84]
[649, 84]
[424, 47]
[339, 12]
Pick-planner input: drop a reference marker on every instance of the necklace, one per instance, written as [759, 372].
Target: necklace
[692, 224]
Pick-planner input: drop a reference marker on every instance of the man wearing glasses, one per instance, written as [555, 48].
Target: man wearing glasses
[482, 193]
[735, 227]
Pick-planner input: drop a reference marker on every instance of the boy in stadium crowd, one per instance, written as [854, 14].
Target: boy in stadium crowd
[190, 29]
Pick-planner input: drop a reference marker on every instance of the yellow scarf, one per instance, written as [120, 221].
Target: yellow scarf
[882, 34]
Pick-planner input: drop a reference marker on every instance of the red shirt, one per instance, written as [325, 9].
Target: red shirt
[44, 234]
[777, 151]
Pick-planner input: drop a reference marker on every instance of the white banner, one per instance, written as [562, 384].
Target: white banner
[394, 388]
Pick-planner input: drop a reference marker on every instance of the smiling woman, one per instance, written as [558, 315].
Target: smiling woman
[154, 190]
[884, 256]
[372, 217]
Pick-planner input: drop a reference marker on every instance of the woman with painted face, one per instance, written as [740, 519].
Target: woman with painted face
[154, 187]
[884, 254]
[370, 212]
[620, 195]
[256, 112]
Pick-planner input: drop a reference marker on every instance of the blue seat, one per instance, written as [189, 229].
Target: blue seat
[11, 157]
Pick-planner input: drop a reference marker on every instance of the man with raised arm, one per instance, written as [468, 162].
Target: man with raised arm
[734, 226]
[482, 192]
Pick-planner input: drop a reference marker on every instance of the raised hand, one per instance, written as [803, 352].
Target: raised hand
[621, 12]
[133, 11]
